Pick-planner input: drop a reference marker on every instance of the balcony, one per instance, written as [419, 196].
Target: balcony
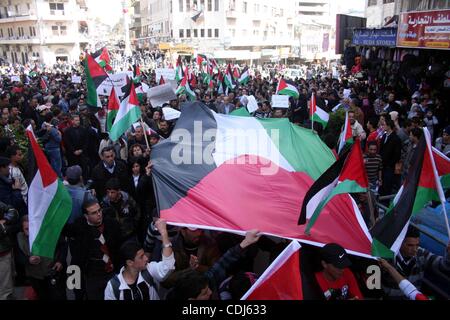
[20, 40]
[65, 39]
[31, 16]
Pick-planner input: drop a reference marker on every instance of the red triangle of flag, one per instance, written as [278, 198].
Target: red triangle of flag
[47, 174]
[354, 169]
[282, 280]
[113, 103]
[133, 97]
[313, 104]
[161, 81]
[95, 70]
[282, 85]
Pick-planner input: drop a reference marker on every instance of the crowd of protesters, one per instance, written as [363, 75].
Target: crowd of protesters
[114, 235]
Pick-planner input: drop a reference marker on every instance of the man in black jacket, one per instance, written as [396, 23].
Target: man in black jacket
[76, 142]
[95, 245]
[8, 227]
[107, 169]
[390, 151]
[118, 205]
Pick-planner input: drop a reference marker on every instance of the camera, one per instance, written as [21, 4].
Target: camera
[53, 277]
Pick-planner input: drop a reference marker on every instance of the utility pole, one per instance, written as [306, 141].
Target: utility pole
[126, 26]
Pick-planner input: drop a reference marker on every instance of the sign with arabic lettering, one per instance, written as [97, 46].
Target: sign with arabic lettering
[375, 37]
[427, 29]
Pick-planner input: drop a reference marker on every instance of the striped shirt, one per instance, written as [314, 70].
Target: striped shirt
[373, 167]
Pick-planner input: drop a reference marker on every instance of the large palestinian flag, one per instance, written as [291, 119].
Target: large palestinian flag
[95, 75]
[287, 88]
[232, 173]
[421, 186]
[49, 204]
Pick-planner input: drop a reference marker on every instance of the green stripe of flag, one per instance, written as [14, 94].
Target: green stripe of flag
[312, 157]
[54, 220]
[347, 186]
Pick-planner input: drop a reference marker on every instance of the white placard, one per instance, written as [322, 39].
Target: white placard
[161, 94]
[15, 78]
[347, 93]
[119, 80]
[170, 113]
[279, 101]
[76, 79]
[252, 104]
[168, 74]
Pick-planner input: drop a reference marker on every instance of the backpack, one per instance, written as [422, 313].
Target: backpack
[115, 282]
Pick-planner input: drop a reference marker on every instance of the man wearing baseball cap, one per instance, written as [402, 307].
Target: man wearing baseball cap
[336, 279]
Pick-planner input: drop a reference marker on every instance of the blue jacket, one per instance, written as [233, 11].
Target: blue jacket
[54, 139]
[78, 195]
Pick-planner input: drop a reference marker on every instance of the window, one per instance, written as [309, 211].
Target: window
[195, 33]
[256, 8]
[281, 12]
[266, 9]
[202, 4]
[188, 33]
[244, 7]
[372, 3]
[209, 33]
[209, 5]
[180, 4]
[202, 33]
[216, 5]
[56, 8]
[388, 1]
[188, 5]
[17, 9]
[216, 33]
[181, 33]
[63, 30]
[28, 6]
[55, 30]
[32, 32]
[233, 32]
[1, 33]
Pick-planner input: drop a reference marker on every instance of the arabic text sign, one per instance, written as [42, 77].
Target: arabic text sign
[161, 94]
[428, 29]
[76, 79]
[375, 37]
[168, 74]
[119, 80]
[279, 101]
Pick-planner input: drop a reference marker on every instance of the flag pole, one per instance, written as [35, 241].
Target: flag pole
[311, 110]
[145, 134]
[446, 220]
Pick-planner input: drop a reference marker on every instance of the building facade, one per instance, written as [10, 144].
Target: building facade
[240, 29]
[42, 31]
[379, 12]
